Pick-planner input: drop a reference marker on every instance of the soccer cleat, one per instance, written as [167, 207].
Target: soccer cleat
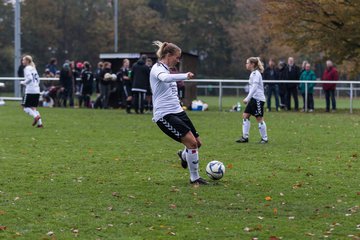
[40, 126]
[200, 181]
[262, 141]
[36, 119]
[242, 140]
[183, 161]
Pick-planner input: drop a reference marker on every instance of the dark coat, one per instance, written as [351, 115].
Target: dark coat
[271, 74]
[97, 79]
[283, 73]
[20, 71]
[293, 74]
[330, 74]
[66, 78]
[102, 74]
[140, 76]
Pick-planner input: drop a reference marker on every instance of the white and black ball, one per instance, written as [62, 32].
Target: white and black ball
[215, 170]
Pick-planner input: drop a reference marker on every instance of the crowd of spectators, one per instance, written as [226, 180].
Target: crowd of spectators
[129, 86]
[284, 92]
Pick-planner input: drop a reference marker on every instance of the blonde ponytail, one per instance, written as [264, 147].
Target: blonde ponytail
[165, 48]
[260, 65]
[257, 63]
[30, 60]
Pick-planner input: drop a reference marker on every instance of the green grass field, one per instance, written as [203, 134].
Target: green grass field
[102, 174]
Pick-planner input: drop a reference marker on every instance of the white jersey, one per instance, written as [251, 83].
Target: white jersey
[164, 89]
[256, 87]
[31, 80]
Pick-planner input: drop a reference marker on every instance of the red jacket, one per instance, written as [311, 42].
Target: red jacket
[330, 74]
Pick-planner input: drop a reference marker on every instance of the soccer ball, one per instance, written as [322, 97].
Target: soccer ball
[108, 77]
[113, 77]
[215, 170]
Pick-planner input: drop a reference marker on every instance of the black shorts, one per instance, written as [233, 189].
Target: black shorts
[127, 88]
[255, 108]
[177, 125]
[31, 100]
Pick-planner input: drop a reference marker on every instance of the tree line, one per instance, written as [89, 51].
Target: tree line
[223, 33]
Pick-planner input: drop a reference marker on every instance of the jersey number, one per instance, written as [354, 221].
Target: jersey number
[35, 77]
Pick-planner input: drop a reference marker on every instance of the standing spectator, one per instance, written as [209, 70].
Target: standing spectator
[105, 84]
[67, 84]
[283, 75]
[87, 79]
[98, 72]
[148, 105]
[330, 74]
[308, 75]
[292, 88]
[124, 74]
[271, 73]
[20, 71]
[303, 66]
[77, 69]
[52, 66]
[140, 76]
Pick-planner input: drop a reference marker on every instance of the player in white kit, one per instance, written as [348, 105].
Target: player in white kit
[168, 113]
[255, 101]
[32, 90]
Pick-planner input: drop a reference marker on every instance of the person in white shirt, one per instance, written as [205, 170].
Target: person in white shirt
[32, 90]
[167, 111]
[255, 101]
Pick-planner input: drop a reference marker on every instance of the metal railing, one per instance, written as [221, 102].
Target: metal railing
[209, 88]
[220, 86]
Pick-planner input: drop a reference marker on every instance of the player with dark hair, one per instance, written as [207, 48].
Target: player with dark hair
[87, 81]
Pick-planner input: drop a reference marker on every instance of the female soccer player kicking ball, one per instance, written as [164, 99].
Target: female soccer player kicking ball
[32, 90]
[255, 101]
[168, 114]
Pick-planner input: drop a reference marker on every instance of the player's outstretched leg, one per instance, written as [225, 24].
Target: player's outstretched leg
[33, 114]
[182, 156]
[39, 121]
[192, 158]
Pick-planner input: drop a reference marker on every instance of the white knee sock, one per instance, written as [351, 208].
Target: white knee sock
[30, 112]
[262, 130]
[39, 121]
[183, 154]
[246, 128]
[192, 158]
